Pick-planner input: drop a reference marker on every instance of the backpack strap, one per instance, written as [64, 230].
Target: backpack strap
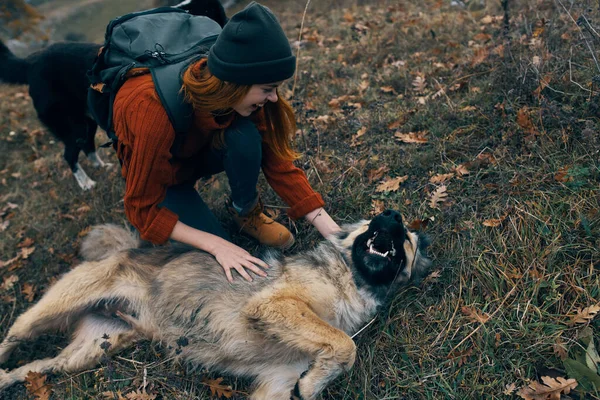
[167, 81]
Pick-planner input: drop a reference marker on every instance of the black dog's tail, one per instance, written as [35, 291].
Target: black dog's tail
[12, 68]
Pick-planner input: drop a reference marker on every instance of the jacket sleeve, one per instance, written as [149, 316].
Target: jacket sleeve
[147, 135]
[290, 183]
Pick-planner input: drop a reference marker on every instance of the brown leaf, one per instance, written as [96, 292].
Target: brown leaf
[418, 224]
[388, 89]
[440, 178]
[391, 184]
[140, 395]
[438, 196]
[551, 389]
[26, 252]
[29, 291]
[217, 389]
[26, 242]
[364, 85]
[460, 357]
[376, 174]
[462, 170]
[494, 222]
[36, 385]
[560, 349]
[9, 262]
[354, 140]
[562, 175]
[378, 207]
[412, 137]
[9, 282]
[111, 395]
[479, 56]
[509, 389]
[475, 315]
[585, 315]
[524, 121]
[419, 84]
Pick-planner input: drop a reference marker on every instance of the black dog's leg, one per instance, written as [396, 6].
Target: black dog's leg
[89, 146]
[71, 128]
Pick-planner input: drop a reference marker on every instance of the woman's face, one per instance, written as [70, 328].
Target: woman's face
[256, 98]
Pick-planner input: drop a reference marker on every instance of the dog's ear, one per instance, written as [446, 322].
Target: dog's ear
[422, 263]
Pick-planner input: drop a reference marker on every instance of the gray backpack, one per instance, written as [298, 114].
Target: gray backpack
[165, 40]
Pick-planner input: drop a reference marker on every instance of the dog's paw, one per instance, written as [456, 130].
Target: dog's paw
[5, 380]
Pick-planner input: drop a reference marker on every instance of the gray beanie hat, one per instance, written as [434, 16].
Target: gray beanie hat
[252, 49]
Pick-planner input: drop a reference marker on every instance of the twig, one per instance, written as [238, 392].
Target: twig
[491, 315]
[582, 36]
[571, 74]
[298, 52]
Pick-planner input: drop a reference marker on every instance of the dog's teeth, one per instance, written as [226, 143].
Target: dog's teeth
[386, 253]
[370, 243]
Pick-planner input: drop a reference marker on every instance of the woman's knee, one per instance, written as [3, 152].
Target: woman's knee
[242, 139]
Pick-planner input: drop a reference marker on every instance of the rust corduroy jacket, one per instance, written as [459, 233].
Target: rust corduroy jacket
[144, 148]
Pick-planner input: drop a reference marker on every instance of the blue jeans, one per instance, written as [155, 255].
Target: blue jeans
[240, 158]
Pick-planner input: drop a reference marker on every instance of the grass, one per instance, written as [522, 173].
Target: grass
[496, 313]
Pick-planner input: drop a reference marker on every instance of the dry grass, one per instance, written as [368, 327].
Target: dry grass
[500, 302]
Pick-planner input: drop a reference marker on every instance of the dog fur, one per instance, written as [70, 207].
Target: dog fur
[290, 332]
[58, 86]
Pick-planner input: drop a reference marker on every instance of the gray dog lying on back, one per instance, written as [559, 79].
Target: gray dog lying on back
[290, 332]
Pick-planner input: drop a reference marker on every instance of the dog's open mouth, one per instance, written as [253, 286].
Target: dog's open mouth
[380, 245]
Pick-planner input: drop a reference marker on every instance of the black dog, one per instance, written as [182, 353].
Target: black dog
[58, 87]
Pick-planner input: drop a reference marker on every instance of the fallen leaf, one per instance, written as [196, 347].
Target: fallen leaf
[438, 196]
[560, 349]
[217, 389]
[419, 84]
[9, 282]
[376, 174]
[354, 140]
[418, 224]
[551, 389]
[462, 170]
[26, 252]
[592, 359]
[440, 178]
[585, 315]
[475, 315]
[494, 222]
[479, 56]
[26, 242]
[412, 137]
[509, 389]
[140, 395]
[460, 357]
[113, 395]
[524, 121]
[4, 226]
[391, 184]
[562, 175]
[36, 385]
[378, 206]
[388, 89]
[29, 291]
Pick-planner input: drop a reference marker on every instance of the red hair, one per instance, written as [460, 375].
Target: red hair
[208, 93]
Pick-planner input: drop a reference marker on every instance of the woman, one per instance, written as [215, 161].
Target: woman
[240, 126]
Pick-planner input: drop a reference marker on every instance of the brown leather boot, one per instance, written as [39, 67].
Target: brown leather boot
[262, 228]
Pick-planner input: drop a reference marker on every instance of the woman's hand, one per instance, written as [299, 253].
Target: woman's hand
[231, 257]
[227, 254]
[323, 222]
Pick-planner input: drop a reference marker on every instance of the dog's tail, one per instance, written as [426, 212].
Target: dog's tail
[12, 68]
[106, 240]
